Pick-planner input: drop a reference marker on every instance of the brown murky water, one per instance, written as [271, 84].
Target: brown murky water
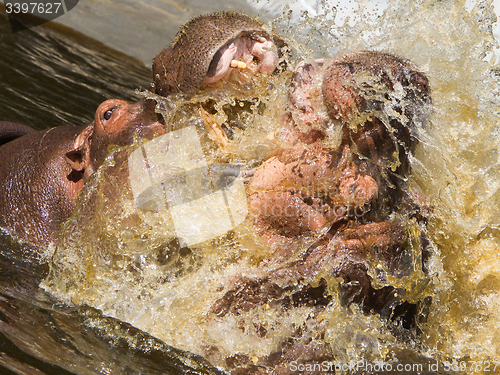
[49, 77]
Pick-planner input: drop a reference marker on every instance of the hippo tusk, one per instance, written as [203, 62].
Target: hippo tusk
[238, 64]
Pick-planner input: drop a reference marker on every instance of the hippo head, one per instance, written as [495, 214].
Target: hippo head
[387, 87]
[214, 47]
[380, 100]
[116, 123]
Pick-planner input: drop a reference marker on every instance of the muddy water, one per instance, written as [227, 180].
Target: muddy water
[138, 275]
[456, 166]
[48, 77]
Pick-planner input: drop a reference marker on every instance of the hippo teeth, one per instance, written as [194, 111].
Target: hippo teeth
[238, 64]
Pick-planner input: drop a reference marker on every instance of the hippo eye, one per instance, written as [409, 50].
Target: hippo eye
[107, 115]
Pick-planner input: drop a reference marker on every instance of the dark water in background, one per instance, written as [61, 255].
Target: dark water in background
[52, 76]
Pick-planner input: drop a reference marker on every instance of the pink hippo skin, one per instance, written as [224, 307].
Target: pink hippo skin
[42, 172]
[351, 193]
[309, 185]
[301, 190]
[353, 201]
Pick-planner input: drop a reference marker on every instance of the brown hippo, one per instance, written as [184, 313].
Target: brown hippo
[234, 42]
[212, 56]
[354, 199]
[42, 172]
[215, 48]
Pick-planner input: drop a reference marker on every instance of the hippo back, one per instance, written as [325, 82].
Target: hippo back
[37, 189]
[12, 130]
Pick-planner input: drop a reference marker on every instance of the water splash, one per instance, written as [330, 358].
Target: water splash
[133, 268]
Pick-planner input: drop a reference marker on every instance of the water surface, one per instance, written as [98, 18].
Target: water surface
[60, 78]
[51, 76]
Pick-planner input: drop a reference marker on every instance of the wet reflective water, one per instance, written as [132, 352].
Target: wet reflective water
[48, 77]
[39, 334]
[53, 76]
[456, 167]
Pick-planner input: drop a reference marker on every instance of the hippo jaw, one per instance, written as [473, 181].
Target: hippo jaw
[199, 46]
[244, 57]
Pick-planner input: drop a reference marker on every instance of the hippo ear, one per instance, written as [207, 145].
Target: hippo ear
[79, 157]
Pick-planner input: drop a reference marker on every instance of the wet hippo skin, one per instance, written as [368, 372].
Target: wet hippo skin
[357, 192]
[37, 187]
[389, 89]
[42, 172]
[75, 154]
[11, 130]
[202, 51]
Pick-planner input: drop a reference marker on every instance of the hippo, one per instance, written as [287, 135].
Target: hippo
[215, 55]
[371, 163]
[74, 154]
[332, 215]
[354, 198]
[42, 172]
[375, 100]
[216, 48]
[38, 189]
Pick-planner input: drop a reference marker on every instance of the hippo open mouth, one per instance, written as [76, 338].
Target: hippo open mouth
[212, 48]
[246, 55]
